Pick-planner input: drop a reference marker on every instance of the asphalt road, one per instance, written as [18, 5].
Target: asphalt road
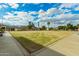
[10, 47]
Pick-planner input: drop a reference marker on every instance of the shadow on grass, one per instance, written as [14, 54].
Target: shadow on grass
[33, 47]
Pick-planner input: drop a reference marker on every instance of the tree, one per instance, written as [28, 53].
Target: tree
[43, 28]
[69, 26]
[51, 28]
[61, 27]
[31, 26]
[48, 23]
[77, 25]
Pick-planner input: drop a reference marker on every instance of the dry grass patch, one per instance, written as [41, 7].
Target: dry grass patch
[34, 40]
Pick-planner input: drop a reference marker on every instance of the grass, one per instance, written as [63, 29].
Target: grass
[35, 40]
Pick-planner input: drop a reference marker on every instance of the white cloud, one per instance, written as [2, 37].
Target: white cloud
[42, 13]
[49, 12]
[14, 5]
[3, 6]
[33, 12]
[19, 19]
[9, 15]
[62, 19]
[20, 14]
[65, 11]
[64, 16]
[47, 15]
[77, 8]
[53, 11]
[25, 15]
[68, 5]
[67, 18]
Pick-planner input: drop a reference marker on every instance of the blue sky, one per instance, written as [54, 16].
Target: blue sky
[19, 14]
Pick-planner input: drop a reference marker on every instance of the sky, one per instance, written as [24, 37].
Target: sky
[19, 14]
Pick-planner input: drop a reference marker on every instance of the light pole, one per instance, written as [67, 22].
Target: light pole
[2, 21]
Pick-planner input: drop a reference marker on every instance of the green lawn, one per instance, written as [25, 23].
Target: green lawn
[34, 40]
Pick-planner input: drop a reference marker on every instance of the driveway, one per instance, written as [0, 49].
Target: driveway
[10, 47]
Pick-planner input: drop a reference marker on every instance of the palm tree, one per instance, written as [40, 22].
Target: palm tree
[38, 25]
[31, 26]
[48, 23]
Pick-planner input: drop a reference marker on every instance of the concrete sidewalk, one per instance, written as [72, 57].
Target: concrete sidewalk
[10, 47]
[68, 46]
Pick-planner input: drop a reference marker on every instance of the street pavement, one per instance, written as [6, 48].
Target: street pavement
[10, 47]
